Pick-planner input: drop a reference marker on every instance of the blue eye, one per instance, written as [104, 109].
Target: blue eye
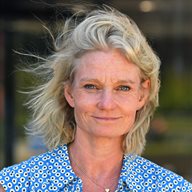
[123, 88]
[90, 86]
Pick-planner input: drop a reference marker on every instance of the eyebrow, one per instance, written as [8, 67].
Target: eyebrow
[89, 79]
[121, 81]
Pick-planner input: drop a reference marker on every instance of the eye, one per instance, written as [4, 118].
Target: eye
[123, 88]
[90, 86]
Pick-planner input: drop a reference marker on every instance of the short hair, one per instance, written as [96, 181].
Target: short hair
[102, 28]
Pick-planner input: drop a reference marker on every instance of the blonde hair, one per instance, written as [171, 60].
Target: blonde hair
[103, 28]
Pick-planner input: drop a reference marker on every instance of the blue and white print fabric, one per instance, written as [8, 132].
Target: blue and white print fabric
[52, 171]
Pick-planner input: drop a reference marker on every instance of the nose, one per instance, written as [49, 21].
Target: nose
[106, 100]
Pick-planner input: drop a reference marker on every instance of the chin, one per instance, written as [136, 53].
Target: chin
[108, 133]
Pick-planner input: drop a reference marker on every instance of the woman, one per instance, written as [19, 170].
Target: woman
[94, 111]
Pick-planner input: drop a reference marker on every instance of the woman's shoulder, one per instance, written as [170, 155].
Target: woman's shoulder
[154, 176]
[34, 170]
[16, 176]
[35, 161]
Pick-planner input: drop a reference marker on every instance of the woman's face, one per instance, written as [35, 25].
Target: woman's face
[106, 93]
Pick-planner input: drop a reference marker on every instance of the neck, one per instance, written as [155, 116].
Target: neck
[98, 157]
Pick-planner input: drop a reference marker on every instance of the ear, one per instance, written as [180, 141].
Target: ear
[68, 94]
[144, 93]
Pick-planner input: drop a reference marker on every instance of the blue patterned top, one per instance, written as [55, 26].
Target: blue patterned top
[52, 171]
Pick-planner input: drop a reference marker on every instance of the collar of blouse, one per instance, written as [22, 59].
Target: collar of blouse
[60, 173]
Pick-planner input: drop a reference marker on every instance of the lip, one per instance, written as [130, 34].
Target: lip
[106, 118]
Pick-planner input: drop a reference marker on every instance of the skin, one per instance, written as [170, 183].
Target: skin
[106, 94]
[1, 188]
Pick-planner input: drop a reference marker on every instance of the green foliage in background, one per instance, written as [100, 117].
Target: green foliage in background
[176, 91]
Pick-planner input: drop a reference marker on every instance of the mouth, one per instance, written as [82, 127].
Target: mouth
[106, 118]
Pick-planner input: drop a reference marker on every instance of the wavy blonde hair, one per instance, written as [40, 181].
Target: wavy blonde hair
[102, 28]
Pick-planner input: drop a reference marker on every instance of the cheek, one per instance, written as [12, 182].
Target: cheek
[82, 109]
[83, 99]
[84, 103]
[130, 108]
[130, 117]
[129, 102]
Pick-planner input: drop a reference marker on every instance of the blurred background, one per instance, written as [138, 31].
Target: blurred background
[167, 26]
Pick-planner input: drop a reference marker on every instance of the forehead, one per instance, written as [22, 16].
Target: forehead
[104, 64]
